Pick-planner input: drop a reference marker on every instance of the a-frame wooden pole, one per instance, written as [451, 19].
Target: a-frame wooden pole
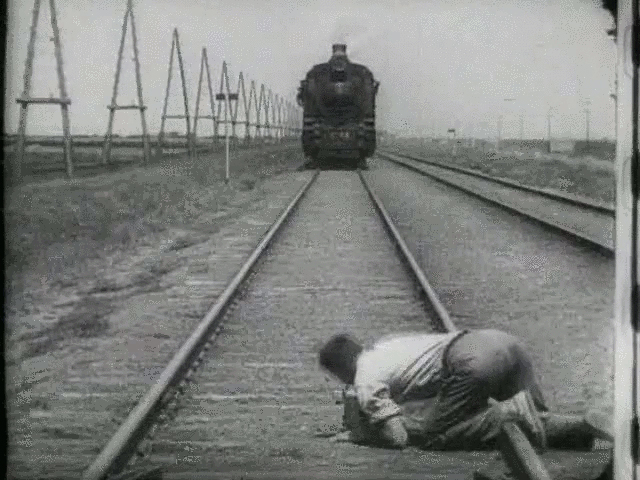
[114, 106]
[136, 59]
[64, 106]
[25, 100]
[175, 46]
[204, 64]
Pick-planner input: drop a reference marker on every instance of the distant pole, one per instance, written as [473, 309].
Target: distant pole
[614, 97]
[499, 133]
[521, 127]
[549, 128]
[501, 117]
[587, 112]
[453, 150]
[226, 138]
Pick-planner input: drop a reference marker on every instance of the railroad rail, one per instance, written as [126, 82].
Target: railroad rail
[121, 446]
[143, 419]
[586, 221]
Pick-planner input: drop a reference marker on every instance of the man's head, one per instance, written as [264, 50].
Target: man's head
[339, 356]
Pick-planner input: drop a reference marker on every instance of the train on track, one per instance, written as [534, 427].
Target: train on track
[339, 112]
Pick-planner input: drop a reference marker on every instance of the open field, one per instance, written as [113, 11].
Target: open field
[98, 141]
[582, 176]
[56, 224]
[44, 157]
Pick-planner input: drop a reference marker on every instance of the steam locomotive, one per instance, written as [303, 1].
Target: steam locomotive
[339, 119]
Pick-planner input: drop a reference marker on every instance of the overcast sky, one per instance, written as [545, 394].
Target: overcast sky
[441, 63]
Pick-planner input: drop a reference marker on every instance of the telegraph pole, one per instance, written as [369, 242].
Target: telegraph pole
[501, 117]
[587, 113]
[549, 128]
[521, 127]
[614, 97]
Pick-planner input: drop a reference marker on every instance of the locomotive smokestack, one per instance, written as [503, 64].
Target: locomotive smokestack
[339, 50]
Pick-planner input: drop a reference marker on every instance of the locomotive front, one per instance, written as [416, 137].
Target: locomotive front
[339, 111]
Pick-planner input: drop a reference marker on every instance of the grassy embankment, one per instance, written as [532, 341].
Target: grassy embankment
[44, 159]
[583, 176]
[54, 226]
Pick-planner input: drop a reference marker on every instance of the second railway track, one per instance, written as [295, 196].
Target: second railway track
[251, 407]
[587, 221]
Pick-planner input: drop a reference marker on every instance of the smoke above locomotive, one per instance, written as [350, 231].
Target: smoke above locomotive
[338, 98]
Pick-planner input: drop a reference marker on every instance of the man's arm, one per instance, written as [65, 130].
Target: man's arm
[383, 413]
[394, 433]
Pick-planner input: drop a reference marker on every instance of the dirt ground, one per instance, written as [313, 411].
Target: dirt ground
[582, 176]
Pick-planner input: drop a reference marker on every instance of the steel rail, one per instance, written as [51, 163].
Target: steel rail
[517, 452]
[432, 297]
[118, 451]
[599, 245]
[558, 196]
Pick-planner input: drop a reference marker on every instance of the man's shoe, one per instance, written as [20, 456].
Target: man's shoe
[600, 425]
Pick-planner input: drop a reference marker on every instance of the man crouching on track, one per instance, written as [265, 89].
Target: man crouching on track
[446, 392]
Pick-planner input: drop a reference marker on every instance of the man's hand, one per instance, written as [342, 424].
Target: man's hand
[394, 433]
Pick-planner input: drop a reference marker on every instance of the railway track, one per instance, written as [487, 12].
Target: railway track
[249, 404]
[587, 221]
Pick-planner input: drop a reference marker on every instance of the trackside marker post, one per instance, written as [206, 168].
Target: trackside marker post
[226, 98]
